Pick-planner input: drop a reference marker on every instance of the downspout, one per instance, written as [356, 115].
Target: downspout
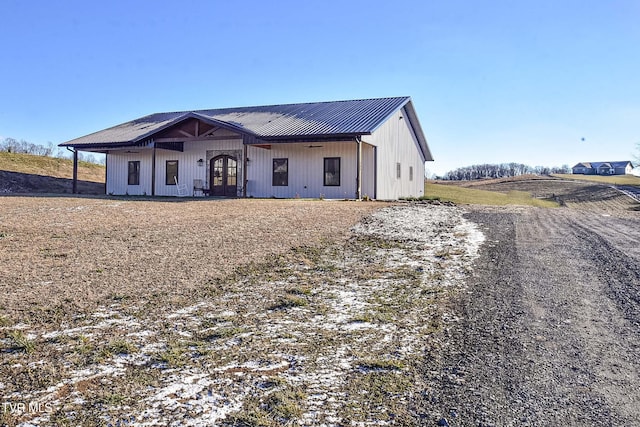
[359, 168]
[74, 185]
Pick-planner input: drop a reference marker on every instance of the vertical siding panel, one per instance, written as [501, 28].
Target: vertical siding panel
[368, 170]
[118, 172]
[306, 170]
[397, 144]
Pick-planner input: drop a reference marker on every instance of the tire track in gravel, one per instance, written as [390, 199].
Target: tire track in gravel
[551, 324]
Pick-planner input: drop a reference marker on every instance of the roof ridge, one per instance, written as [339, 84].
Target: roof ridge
[609, 161]
[280, 105]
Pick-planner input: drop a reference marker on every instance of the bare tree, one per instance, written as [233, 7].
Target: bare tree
[503, 170]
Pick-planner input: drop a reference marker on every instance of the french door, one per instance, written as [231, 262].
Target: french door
[224, 176]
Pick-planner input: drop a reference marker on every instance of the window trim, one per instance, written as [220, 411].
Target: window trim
[280, 182]
[167, 180]
[324, 175]
[135, 174]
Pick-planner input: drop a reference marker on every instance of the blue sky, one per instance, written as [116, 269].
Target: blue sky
[492, 81]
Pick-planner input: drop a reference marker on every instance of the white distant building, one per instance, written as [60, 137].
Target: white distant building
[603, 168]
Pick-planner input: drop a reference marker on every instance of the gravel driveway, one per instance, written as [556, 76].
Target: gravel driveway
[550, 326]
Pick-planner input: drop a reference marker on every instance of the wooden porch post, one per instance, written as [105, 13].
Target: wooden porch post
[153, 170]
[359, 168]
[75, 171]
[244, 172]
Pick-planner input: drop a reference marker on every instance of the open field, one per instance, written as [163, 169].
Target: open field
[611, 180]
[240, 312]
[122, 311]
[466, 195]
[533, 191]
[76, 253]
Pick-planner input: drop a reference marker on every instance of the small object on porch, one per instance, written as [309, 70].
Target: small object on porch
[182, 188]
[198, 187]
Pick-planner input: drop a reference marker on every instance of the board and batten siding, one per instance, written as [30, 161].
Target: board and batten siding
[118, 172]
[397, 144]
[306, 170]
[392, 144]
[188, 167]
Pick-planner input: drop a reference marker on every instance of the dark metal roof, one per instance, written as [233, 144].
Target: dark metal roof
[319, 118]
[596, 165]
[270, 122]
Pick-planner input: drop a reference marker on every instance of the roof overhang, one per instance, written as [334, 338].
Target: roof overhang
[414, 123]
[146, 139]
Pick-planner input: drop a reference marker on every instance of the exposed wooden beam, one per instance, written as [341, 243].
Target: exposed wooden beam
[211, 131]
[185, 133]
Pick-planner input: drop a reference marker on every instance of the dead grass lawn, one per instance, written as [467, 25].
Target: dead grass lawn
[232, 313]
[61, 256]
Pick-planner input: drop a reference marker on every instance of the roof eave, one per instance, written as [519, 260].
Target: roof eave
[417, 129]
[102, 145]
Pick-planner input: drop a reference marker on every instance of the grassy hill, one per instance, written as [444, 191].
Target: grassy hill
[611, 180]
[26, 173]
[591, 192]
[461, 194]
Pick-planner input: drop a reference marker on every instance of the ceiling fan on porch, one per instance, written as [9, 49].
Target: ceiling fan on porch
[314, 146]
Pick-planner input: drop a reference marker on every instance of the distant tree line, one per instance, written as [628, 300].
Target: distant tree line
[502, 170]
[11, 145]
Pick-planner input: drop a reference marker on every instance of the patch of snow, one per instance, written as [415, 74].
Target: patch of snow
[193, 392]
[183, 312]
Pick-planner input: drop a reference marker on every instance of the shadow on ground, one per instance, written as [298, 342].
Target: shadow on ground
[17, 183]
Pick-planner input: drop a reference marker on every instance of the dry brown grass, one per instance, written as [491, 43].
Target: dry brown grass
[61, 256]
[50, 166]
[262, 312]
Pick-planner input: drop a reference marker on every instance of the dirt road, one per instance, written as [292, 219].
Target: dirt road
[550, 326]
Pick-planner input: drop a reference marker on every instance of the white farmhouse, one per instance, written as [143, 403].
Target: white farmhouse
[336, 150]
